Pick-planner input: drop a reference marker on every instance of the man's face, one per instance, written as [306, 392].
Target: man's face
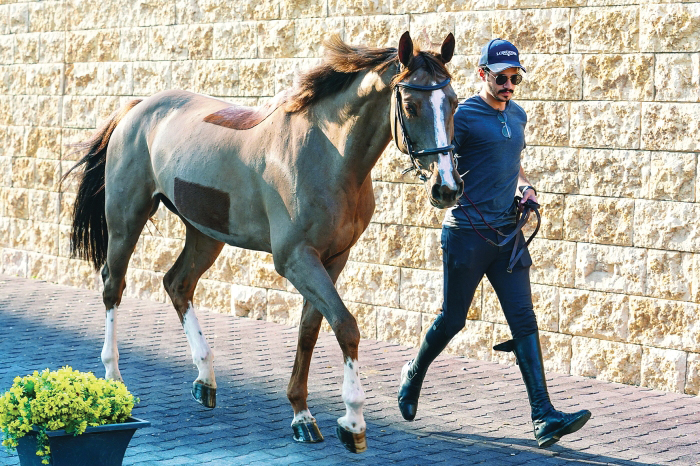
[503, 92]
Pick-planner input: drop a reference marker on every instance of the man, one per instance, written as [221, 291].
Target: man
[489, 137]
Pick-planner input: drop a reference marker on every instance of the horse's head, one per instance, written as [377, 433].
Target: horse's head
[422, 126]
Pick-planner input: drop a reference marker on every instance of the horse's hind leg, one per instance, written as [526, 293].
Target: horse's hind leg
[304, 424]
[199, 254]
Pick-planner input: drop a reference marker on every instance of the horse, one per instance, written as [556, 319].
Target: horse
[291, 178]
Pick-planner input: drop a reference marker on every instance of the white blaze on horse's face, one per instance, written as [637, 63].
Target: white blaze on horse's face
[202, 355]
[445, 168]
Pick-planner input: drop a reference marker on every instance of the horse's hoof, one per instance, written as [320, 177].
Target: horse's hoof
[307, 432]
[355, 443]
[204, 394]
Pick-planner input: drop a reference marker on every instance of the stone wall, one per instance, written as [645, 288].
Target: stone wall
[612, 94]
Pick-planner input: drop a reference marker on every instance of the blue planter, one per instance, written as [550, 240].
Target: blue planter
[98, 446]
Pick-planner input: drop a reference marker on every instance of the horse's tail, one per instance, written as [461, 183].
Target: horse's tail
[89, 236]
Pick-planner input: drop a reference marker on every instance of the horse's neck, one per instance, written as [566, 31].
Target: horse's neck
[358, 123]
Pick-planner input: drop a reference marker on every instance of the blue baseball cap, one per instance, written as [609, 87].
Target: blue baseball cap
[499, 55]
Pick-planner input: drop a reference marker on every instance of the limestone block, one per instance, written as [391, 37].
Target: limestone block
[45, 79]
[14, 262]
[398, 326]
[82, 79]
[552, 262]
[366, 317]
[618, 77]
[421, 290]
[18, 20]
[255, 78]
[13, 79]
[512, 4]
[284, 307]
[259, 10]
[12, 141]
[81, 46]
[416, 209]
[388, 205]
[116, 78]
[276, 39]
[357, 7]
[473, 341]
[614, 173]
[611, 268]
[390, 165]
[27, 48]
[551, 77]
[262, 272]
[5, 173]
[16, 202]
[78, 273]
[145, 284]
[501, 333]
[670, 126]
[432, 248]
[106, 105]
[79, 112]
[151, 77]
[612, 29]
[235, 40]
[605, 124]
[548, 123]
[5, 232]
[200, 41]
[415, 6]
[665, 324]
[673, 176]
[213, 296]
[367, 247]
[692, 378]
[310, 35]
[288, 69]
[70, 136]
[84, 15]
[376, 31]
[134, 43]
[43, 143]
[599, 219]
[534, 30]
[232, 266]
[677, 77]
[24, 109]
[247, 301]
[667, 225]
[46, 16]
[546, 303]
[42, 267]
[401, 246]
[43, 206]
[47, 174]
[150, 12]
[370, 284]
[206, 11]
[7, 53]
[465, 78]
[217, 77]
[430, 30]
[67, 200]
[23, 172]
[294, 9]
[664, 369]
[592, 314]
[6, 110]
[108, 45]
[556, 352]
[606, 360]
[552, 212]
[37, 236]
[52, 47]
[670, 27]
[183, 75]
[159, 254]
[49, 110]
[167, 43]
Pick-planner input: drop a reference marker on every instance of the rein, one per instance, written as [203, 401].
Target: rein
[521, 220]
[408, 144]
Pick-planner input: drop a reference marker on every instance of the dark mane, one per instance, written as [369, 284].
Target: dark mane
[341, 64]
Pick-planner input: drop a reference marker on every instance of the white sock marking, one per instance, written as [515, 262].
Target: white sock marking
[202, 355]
[354, 398]
[110, 351]
[445, 169]
[303, 416]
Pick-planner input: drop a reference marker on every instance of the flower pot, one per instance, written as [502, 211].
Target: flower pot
[98, 446]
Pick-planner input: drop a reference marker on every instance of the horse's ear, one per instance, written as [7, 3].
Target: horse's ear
[448, 48]
[405, 48]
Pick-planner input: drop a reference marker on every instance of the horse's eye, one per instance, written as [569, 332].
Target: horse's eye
[410, 110]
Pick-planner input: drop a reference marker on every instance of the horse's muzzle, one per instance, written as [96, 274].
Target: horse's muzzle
[442, 196]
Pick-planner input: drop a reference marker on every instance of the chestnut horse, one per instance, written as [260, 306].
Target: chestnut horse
[291, 178]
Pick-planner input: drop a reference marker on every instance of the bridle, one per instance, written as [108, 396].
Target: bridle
[408, 144]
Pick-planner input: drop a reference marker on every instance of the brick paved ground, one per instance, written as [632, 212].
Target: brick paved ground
[471, 412]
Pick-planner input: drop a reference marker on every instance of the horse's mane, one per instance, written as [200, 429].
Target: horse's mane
[341, 64]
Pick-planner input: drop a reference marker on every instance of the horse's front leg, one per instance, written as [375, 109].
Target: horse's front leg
[306, 272]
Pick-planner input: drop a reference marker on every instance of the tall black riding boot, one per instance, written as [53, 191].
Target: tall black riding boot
[548, 423]
[414, 370]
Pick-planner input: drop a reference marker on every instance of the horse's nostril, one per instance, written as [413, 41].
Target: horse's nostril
[437, 194]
